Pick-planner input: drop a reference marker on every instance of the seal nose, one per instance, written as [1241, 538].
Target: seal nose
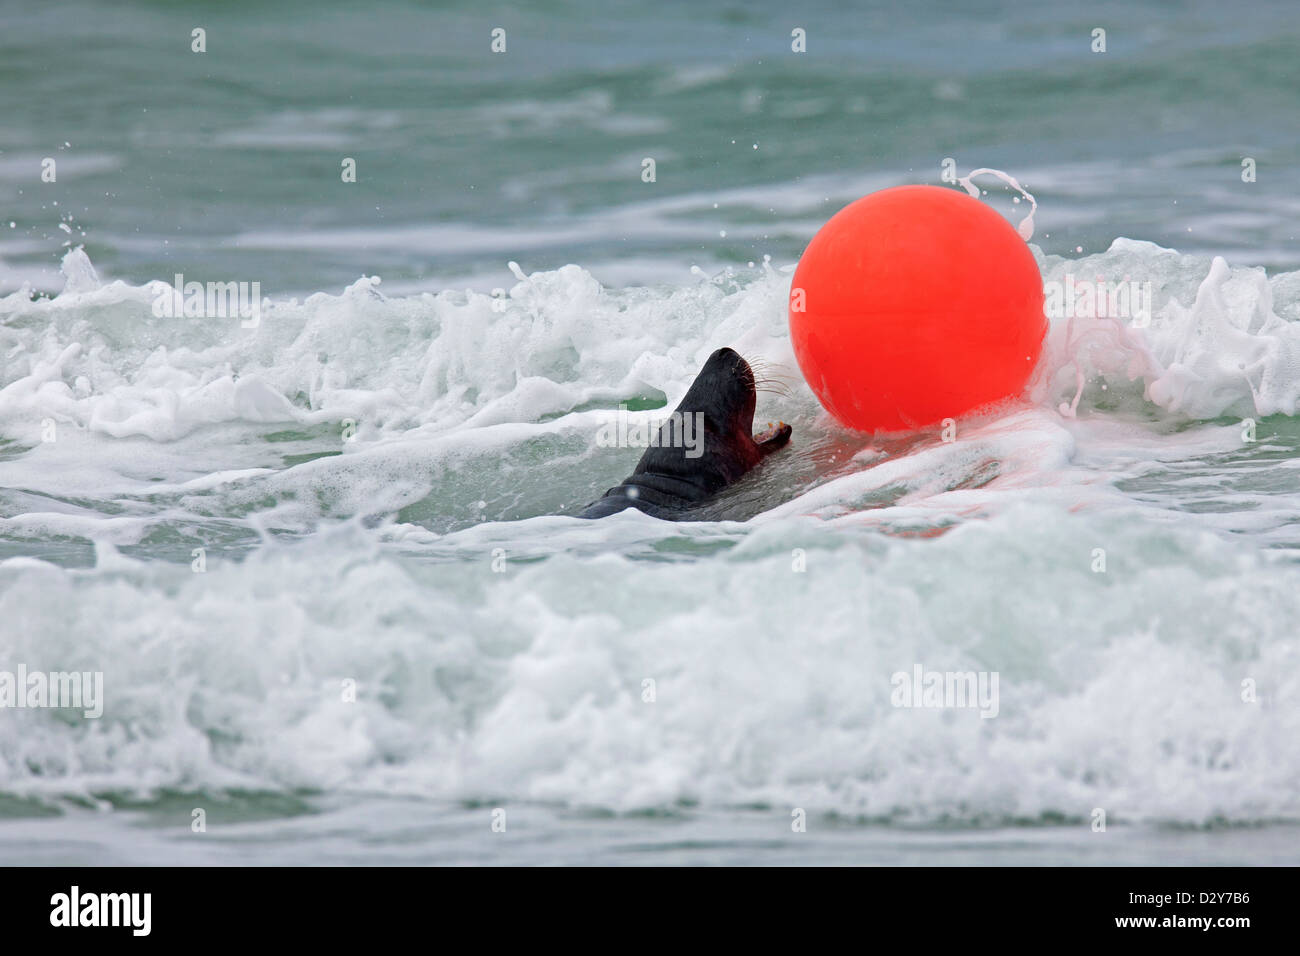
[729, 362]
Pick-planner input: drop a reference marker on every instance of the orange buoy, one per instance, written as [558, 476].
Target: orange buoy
[913, 305]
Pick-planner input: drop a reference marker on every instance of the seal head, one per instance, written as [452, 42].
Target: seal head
[704, 446]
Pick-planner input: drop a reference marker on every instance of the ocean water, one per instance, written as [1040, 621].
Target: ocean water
[326, 566]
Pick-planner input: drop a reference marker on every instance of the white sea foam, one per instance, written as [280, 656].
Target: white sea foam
[1120, 689]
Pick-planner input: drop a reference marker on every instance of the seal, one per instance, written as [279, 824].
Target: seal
[677, 473]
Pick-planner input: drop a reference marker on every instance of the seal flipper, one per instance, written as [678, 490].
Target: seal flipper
[610, 504]
[643, 495]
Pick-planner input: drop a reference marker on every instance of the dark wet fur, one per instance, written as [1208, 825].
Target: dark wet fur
[667, 483]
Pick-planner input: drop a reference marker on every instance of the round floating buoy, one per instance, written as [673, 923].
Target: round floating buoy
[913, 305]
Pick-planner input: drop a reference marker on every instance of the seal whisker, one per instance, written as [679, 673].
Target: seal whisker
[773, 383]
[768, 369]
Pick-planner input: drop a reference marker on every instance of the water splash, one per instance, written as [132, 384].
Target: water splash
[1026, 227]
